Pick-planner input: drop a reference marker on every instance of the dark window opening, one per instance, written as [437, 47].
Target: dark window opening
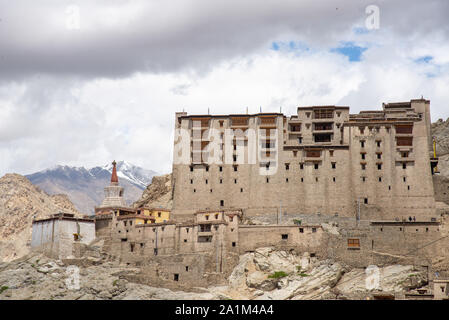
[233, 244]
[176, 277]
[284, 236]
[334, 165]
[313, 230]
[323, 137]
[287, 166]
[187, 268]
[316, 166]
[366, 200]
[221, 203]
[301, 230]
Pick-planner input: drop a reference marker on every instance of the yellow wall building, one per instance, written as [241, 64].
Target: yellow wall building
[159, 214]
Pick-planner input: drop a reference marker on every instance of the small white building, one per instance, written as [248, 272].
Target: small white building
[61, 234]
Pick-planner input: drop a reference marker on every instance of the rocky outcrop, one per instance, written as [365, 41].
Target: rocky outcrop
[20, 203]
[92, 277]
[157, 194]
[280, 275]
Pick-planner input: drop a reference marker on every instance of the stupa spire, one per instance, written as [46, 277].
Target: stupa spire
[114, 178]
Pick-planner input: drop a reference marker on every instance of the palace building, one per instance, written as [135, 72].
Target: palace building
[323, 160]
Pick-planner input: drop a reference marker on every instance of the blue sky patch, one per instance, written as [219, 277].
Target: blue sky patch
[425, 59]
[289, 46]
[352, 51]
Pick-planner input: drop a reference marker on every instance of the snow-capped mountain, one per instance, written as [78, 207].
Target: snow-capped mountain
[85, 187]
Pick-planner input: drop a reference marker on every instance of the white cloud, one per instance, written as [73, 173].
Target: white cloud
[111, 91]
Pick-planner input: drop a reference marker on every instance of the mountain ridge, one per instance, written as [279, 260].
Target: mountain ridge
[85, 186]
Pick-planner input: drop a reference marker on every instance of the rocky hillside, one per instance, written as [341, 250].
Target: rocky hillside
[85, 187]
[157, 194]
[263, 274]
[20, 202]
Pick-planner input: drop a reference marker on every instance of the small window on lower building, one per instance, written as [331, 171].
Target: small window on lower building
[365, 201]
[221, 203]
[187, 268]
[176, 277]
[353, 243]
[233, 244]
[313, 229]
[185, 240]
[301, 230]
[284, 236]
[155, 251]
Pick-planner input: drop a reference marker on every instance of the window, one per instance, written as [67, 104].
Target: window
[235, 181]
[207, 169]
[205, 227]
[207, 217]
[379, 156]
[301, 230]
[354, 243]
[185, 240]
[363, 156]
[316, 166]
[301, 166]
[362, 144]
[233, 244]
[295, 153]
[216, 216]
[205, 239]
[405, 179]
[334, 165]
[300, 140]
[131, 245]
[235, 158]
[302, 179]
[380, 179]
[365, 201]
[363, 166]
[191, 181]
[313, 230]
[235, 168]
[221, 203]
[221, 181]
[191, 168]
[159, 214]
[221, 169]
[287, 166]
[404, 166]
[155, 251]
[187, 268]
[176, 277]
[268, 180]
[194, 190]
[379, 167]
[404, 141]
[285, 237]
[378, 143]
[286, 180]
[404, 129]
[323, 137]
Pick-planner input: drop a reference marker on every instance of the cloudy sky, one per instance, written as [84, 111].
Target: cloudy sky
[83, 83]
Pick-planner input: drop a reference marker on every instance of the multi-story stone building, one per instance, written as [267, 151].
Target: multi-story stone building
[371, 165]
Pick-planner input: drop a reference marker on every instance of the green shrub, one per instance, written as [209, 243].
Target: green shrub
[296, 221]
[278, 274]
[3, 288]
[115, 283]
